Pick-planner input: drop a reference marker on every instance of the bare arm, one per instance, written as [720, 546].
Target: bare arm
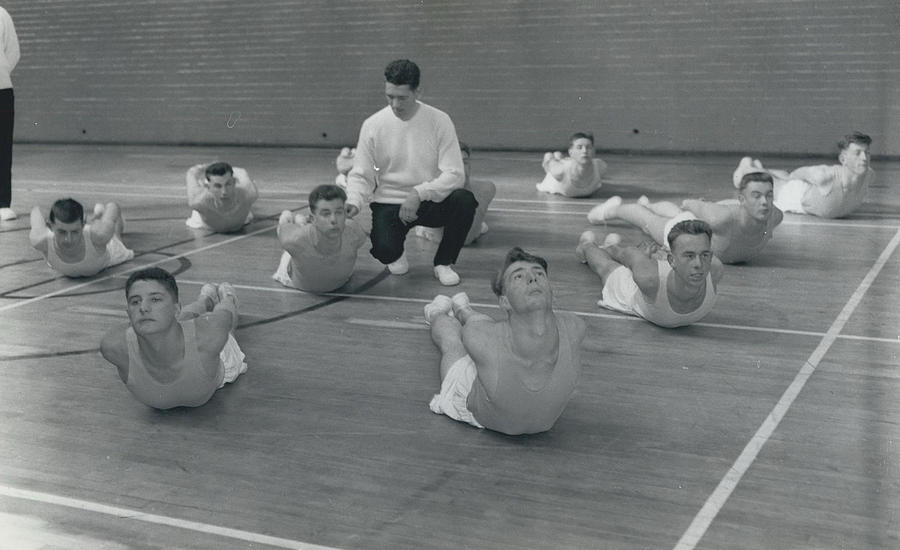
[716, 270]
[246, 183]
[479, 337]
[822, 176]
[38, 233]
[643, 268]
[555, 165]
[103, 229]
[197, 193]
[115, 350]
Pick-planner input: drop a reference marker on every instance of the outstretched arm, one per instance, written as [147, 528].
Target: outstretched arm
[288, 231]
[115, 350]
[38, 234]
[102, 230]
[821, 176]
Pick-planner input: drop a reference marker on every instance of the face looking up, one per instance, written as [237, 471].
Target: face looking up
[526, 287]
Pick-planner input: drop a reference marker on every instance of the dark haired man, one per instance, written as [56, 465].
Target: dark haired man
[75, 248]
[169, 356]
[577, 175]
[827, 191]
[408, 164]
[221, 197]
[670, 293]
[515, 375]
[319, 251]
[741, 227]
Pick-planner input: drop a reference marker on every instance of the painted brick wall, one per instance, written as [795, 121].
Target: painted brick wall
[786, 76]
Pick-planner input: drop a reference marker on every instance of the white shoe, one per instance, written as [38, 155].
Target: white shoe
[428, 233]
[400, 266]
[605, 210]
[441, 305]
[446, 275]
[585, 239]
[7, 214]
[98, 210]
[611, 240]
[459, 301]
[643, 201]
[484, 228]
[196, 221]
[225, 290]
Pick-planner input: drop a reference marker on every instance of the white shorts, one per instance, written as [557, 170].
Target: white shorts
[118, 252]
[455, 390]
[671, 223]
[789, 195]
[232, 359]
[619, 290]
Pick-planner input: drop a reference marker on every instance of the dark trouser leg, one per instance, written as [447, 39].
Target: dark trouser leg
[388, 232]
[7, 115]
[455, 215]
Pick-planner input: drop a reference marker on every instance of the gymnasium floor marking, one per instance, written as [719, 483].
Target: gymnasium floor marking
[610, 316]
[722, 492]
[137, 515]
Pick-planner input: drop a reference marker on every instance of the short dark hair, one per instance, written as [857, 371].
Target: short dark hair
[66, 211]
[218, 169]
[764, 177]
[858, 138]
[688, 227]
[581, 135]
[514, 255]
[402, 71]
[325, 192]
[157, 274]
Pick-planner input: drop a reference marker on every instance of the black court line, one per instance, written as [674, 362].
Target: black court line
[48, 354]
[19, 262]
[363, 287]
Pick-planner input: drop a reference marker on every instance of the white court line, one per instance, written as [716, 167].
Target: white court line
[611, 316]
[722, 492]
[137, 515]
[21, 303]
[153, 195]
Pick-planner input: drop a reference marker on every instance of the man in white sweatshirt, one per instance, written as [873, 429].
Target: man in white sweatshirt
[9, 56]
[408, 164]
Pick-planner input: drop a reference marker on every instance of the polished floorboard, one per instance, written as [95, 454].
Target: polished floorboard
[773, 424]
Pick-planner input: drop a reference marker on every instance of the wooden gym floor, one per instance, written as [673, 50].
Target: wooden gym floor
[774, 424]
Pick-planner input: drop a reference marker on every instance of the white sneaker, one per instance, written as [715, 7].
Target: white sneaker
[643, 201]
[745, 166]
[585, 239]
[441, 305]
[210, 292]
[446, 275]
[433, 234]
[7, 214]
[484, 228]
[459, 301]
[612, 239]
[400, 266]
[605, 210]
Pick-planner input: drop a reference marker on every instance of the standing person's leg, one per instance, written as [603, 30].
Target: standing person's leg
[388, 236]
[455, 215]
[7, 119]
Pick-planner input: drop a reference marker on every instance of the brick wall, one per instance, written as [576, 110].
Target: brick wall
[775, 76]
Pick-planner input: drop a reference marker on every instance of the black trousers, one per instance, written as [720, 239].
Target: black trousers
[7, 117]
[454, 214]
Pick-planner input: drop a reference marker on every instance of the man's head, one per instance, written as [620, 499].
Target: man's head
[581, 147]
[327, 210]
[522, 284]
[67, 222]
[152, 298]
[854, 152]
[466, 154]
[690, 245]
[220, 180]
[401, 88]
[756, 195]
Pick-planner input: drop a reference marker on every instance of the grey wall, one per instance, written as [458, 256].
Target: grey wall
[690, 75]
